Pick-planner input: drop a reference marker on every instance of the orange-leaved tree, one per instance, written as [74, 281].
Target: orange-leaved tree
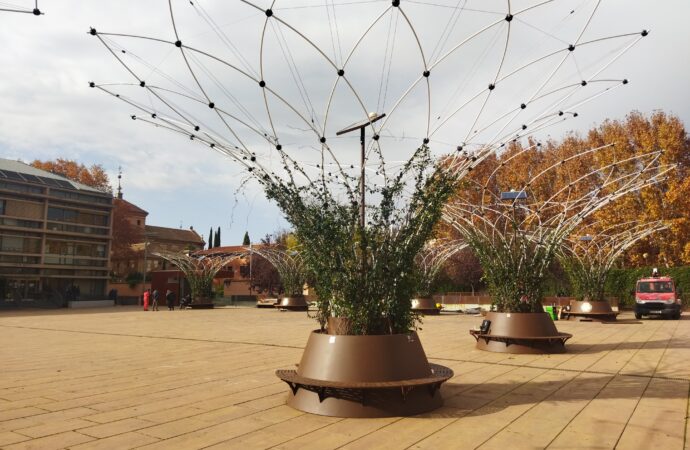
[93, 176]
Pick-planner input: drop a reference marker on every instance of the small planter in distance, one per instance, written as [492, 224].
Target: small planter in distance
[293, 303]
[267, 302]
[595, 310]
[425, 305]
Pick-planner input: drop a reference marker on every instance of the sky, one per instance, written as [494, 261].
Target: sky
[48, 110]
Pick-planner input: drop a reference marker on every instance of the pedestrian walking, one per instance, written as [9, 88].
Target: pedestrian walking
[147, 297]
[170, 300]
[155, 300]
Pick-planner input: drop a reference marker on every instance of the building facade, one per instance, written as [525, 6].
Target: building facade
[54, 238]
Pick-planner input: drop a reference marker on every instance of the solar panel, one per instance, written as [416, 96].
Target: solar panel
[32, 178]
[13, 175]
[50, 181]
[65, 184]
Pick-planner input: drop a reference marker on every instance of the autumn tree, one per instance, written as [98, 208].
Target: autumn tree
[93, 176]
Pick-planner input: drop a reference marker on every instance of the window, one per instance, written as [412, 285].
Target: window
[2, 207]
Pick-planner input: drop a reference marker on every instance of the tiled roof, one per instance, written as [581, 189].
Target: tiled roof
[173, 234]
[131, 207]
[226, 249]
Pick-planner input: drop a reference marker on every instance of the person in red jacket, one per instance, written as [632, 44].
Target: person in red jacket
[147, 297]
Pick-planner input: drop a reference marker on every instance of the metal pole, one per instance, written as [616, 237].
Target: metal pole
[362, 210]
[143, 281]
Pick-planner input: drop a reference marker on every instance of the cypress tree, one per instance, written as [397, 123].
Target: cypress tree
[216, 240]
[246, 240]
[210, 238]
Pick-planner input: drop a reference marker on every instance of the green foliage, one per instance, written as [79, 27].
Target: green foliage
[210, 238]
[134, 278]
[246, 240]
[216, 239]
[587, 278]
[621, 282]
[366, 273]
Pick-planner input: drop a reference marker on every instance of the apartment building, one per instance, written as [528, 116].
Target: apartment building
[54, 238]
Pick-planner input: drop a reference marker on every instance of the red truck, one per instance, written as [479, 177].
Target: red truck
[657, 296]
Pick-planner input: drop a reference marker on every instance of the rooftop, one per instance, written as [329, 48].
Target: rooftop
[123, 378]
[19, 171]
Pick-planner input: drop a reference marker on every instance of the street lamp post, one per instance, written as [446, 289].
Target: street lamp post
[373, 117]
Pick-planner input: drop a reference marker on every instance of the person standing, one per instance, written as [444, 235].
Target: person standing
[147, 297]
[170, 300]
[155, 300]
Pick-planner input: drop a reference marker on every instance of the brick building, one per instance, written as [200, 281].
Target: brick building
[54, 238]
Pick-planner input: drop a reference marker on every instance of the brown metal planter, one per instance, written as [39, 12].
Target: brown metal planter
[298, 303]
[267, 303]
[600, 311]
[425, 305]
[365, 376]
[533, 333]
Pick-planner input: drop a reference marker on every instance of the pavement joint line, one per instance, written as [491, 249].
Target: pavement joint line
[479, 407]
[593, 372]
[687, 416]
[613, 377]
[258, 344]
[658, 363]
[308, 432]
[463, 415]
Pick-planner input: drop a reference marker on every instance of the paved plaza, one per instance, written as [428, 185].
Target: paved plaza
[123, 378]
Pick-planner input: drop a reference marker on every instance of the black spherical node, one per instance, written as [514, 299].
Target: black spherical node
[133, 117]
[459, 148]
[191, 137]
[644, 33]
[575, 114]
[279, 147]
[523, 106]
[583, 83]
[341, 72]
[322, 140]
[269, 13]
[196, 128]
[625, 81]
[250, 169]
[396, 3]
[571, 47]
[426, 73]
[37, 12]
[426, 140]
[142, 83]
[560, 113]
[178, 44]
[93, 32]
[492, 87]
[153, 116]
[212, 145]
[376, 137]
[92, 84]
[509, 17]
[524, 127]
[253, 158]
[262, 83]
[211, 105]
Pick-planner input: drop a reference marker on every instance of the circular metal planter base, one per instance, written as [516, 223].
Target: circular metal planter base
[599, 311]
[293, 303]
[521, 333]
[365, 376]
[425, 305]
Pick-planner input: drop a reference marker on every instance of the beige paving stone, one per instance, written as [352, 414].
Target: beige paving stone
[55, 441]
[8, 437]
[121, 441]
[273, 435]
[206, 378]
[54, 427]
[116, 427]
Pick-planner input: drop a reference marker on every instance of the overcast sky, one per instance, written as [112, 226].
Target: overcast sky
[47, 109]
